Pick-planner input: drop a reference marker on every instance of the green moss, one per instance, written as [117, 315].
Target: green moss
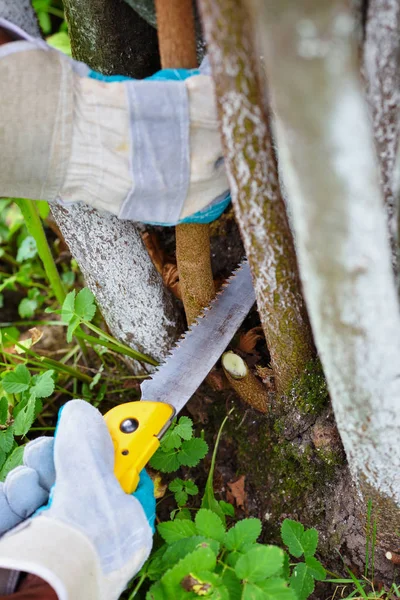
[331, 457]
[309, 393]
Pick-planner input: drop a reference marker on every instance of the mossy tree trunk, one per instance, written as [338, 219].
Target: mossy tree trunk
[255, 189]
[111, 38]
[328, 158]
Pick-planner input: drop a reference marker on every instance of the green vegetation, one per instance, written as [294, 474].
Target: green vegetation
[52, 22]
[179, 447]
[204, 558]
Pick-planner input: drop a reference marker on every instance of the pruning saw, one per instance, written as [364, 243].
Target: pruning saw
[137, 427]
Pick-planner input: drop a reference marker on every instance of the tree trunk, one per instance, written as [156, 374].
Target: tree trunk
[111, 38]
[382, 72]
[135, 305]
[328, 159]
[22, 14]
[256, 195]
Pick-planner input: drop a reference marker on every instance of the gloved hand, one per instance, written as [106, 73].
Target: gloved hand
[144, 150]
[87, 517]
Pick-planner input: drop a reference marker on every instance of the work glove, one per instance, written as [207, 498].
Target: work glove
[69, 521]
[146, 150]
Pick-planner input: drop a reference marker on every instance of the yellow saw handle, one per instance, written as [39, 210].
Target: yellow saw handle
[135, 429]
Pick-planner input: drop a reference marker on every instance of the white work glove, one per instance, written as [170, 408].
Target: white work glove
[90, 538]
[143, 150]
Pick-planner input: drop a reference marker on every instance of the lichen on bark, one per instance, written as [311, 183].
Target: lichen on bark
[382, 73]
[256, 195]
[137, 308]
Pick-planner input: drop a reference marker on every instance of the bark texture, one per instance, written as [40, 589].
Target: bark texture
[255, 189]
[111, 38]
[21, 13]
[135, 305]
[382, 71]
[328, 159]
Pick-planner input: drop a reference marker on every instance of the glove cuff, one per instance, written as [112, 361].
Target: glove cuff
[60, 555]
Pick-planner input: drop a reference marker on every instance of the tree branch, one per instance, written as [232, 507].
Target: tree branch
[255, 189]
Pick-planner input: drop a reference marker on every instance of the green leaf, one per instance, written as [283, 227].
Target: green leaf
[233, 584]
[176, 485]
[14, 460]
[244, 532]
[156, 592]
[171, 440]
[292, 533]
[301, 581]
[27, 307]
[25, 418]
[315, 568]
[209, 525]
[172, 531]
[271, 589]
[45, 22]
[227, 508]
[297, 540]
[182, 514]
[3, 410]
[202, 559]
[27, 249]
[61, 42]
[259, 563]
[181, 497]
[154, 567]
[191, 488]
[17, 381]
[68, 307]
[192, 451]
[43, 384]
[85, 306]
[184, 428]
[166, 462]
[72, 325]
[185, 546]
[309, 541]
[6, 440]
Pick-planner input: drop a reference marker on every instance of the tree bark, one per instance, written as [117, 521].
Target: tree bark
[256, 194]
[382, 71]
[137, 308]
[326, 149]
[22, 14]
[111, 38]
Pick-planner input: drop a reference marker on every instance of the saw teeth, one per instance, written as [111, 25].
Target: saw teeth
[202, 314]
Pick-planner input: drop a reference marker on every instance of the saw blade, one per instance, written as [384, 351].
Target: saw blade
[196, 353]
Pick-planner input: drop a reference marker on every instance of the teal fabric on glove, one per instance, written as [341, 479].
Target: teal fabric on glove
[214, 210]
[70, 478]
